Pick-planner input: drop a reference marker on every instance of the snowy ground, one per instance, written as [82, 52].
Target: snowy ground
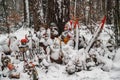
[57, 72]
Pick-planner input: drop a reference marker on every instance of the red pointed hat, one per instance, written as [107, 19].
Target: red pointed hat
[24, 40]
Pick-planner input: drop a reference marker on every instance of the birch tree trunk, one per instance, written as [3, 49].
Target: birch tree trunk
[27, 13]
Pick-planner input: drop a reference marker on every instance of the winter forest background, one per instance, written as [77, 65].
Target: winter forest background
[37, 13]
[88, 52]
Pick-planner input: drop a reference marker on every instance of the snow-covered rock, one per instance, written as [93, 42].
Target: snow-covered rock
[70, 68]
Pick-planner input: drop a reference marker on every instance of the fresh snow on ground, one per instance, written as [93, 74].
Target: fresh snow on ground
[57, 72]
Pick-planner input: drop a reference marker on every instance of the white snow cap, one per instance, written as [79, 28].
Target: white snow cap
[42, 40]
[57, 41]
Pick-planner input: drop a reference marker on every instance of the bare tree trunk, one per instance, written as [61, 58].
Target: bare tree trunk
[98, 10]
[35, 13]
[5, 12]
[90, 8]
[65, 15]
[58, 14]
[103, 7]
[25, 17]
[51, 12]
[117, 22]
[109, 12]
[45, 10]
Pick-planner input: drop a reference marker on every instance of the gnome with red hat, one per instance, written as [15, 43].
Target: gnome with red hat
[23, 47]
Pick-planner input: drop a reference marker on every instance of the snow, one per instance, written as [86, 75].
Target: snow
[58, 72]
[20, 34]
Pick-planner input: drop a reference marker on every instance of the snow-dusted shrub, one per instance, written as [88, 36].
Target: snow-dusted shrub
[78, 66]
[70, 68]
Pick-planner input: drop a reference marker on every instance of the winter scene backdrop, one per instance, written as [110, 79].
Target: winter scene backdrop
[59, 39]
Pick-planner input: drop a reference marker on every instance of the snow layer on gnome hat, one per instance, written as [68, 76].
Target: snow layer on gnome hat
[42, 40]
[108, 44]
[11, 36]
[57, 41]
[71, 34]
[3, 41]
[111, 41]
[93, 52]
[52, 24]
[42, 31]
[49, 41]
[64, 34]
